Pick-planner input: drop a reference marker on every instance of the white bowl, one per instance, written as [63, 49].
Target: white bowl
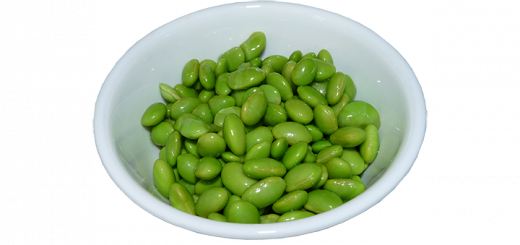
[382, 76]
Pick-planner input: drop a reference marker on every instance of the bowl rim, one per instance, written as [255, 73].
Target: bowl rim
[379, 190]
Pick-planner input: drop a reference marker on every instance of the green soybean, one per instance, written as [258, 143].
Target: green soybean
[258, 135]
[293, 132]
[211, 201]
[234, 178]
[260, 150]
[235, 134]
[340, 105]
[309, 157]
[268, 68]
[274, 114]
[277, 61]
[336, 87]
[211, 63]
[173, 147]
[221, 86]
[194, 128]
[183, 118]
[304, 72]
[352, 156]
[295, 154]
[323, 178]
[208, 168]
[203, 185]
[154, 114]
[287, 73]
[263, 168]
[230, 157]
[294, 215]
[325, 119]
[246, 78]
[358, 114]
[317, 135]
[324, 55]
[272, 94]
[324, 70]
[290, 202]
[350, 88]
[161, 132]
[206, 76]
[220, 102]
[185, 91]
[190, 187]
[234, 57]
[255, 62]
[319, 201]
[320, 145]
[206, 95]
[232, 199]
[269, 218]
[302, 176]
[311, 96]
[169, 93]
[183, 106]
[211, 145]
[190, 72]
[203, 112]
[338, 168]
[221, 67]
[186, 164]
[265, 192]
[254, 108]
[348, 136]
[163, 177]
[328, 153]
[296, 56]
[279, 147]
[217, 217]
[222, 114]
[243, 212]
[346, 189]
[181, 199]
[254, 45]
[369, 148]
[299, 111]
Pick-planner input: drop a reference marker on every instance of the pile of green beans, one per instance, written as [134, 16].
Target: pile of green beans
[252, 140]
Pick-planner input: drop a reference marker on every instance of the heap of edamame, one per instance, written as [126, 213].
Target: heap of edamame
[251, 140]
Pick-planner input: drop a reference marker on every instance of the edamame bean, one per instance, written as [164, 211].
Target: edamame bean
[348, 137]
[274, 114]
[350, 88]
[211, 201]
[340, 105]
[181, 199]
[232, 199]
[206, 76]
[346, 189]
[295, 154]
[220, 102]
[154, 114]
[217, 217]
[325, 119]
[320, 145]
[324, 71]
[309, 55]
[186, 165]
[185, 91]
[293, 132]
[311, 96]
[203, 112]
[338, 168]
[162, 154]
[161, 132]
[206, 95]
[302, 177]
[358, 114]
[324, 55]
[221, 86]
[319, 201]
[190, 187]
[243, 212]
[180, 121]
[255, 62]
[234, 178]
[265, 192]
[258, 135]
[277, 61]
[272, 94]
[304, 72]
[287, 73]
[211, 145]
[183, 106]
[268, 68]
[281, 84]
[279, 147]
[296, 56]
[294, 215]
[230, 157]
[352, 156]
[222, 114]
[369, 148]
[194, 128]
[163, 177]
[221, 67]
[263, 168]
[324, 176]
[211, 63]
[328, 153]
[269, 218]
[173, 147]
[260, 150]
[235, 134]
[299, 111]
[336, 87]
[317, 135]
[169, 93]
[208, 168]
[290, 202]
[203, 185]
[234, 57]
[190, 72]
[254, 45]
[246, 78]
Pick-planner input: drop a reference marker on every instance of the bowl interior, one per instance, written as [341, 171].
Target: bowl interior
[382, 78]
